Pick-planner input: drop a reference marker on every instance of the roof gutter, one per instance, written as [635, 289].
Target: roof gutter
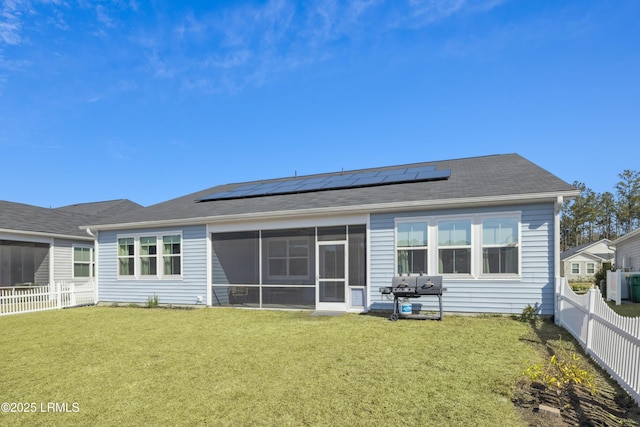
[43, 234]
[355, 209]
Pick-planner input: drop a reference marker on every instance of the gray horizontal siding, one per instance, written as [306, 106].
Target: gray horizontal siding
[183, 291]
[535, 286]
[63, 260]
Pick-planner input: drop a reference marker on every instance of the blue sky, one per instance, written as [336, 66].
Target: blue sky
[148, 101]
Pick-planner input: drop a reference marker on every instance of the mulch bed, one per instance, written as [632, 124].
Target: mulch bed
[609, 406]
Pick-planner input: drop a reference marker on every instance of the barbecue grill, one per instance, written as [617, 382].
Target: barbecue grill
[405, 287]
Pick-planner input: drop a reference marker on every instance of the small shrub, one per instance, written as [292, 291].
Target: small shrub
[562, 373]
[152, 302]
[528, 314]
[580, 287]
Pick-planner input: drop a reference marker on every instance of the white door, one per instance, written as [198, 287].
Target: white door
[331, 278]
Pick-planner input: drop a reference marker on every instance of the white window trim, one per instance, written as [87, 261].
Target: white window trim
[516, 215]
[399, 248]
[288, 257]
[159, 256]
[92, 263]
[579, 269]
[593, 266]
[476, 243]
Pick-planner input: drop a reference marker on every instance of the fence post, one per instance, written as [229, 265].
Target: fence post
[58, 291]
[72, 289]
[559, 294]
[591, 304]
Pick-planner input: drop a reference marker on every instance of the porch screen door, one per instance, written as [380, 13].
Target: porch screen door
[331, 280]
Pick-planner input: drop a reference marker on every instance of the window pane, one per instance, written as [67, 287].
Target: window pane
[148, 246]
[412, 234]
[171, 244]
[500, 260]
[298, 248]
[454, 233]
[125, 266]
[298, 267]
[148, 266]
[125, 247]
[172, 265]
[499, 231]
[278, 248]
[81, 270]
[277, 267]
[412, 261]
[454, 261]
[82, 254]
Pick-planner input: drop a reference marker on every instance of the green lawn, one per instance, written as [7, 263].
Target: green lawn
[135, 366]
[629, 310]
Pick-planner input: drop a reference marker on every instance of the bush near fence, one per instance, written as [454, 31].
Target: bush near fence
[613, 341]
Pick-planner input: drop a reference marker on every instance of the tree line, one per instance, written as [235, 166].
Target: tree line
[593, 216]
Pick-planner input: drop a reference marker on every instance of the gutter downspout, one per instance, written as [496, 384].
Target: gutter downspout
[96, 264]
[556, 256]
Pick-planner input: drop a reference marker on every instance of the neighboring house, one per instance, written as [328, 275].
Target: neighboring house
[39, 246]
[489, 225]
[627, 250]
[584, 261]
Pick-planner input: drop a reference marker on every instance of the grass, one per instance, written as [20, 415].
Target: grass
[628, 310]
[132, 366]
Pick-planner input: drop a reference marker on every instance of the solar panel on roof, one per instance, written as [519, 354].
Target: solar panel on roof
[332, 182]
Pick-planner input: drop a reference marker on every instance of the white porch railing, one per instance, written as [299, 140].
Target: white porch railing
[27, 299]
[613, 341]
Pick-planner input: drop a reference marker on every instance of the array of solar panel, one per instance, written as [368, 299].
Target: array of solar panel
[333, 182]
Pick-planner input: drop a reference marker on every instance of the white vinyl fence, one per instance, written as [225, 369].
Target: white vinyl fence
[618, 287]
[27, 299]
[613, 341]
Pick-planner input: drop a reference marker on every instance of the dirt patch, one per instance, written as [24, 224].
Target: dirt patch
[609, 406]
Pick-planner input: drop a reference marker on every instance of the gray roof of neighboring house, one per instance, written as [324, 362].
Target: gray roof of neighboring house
[488, 178]
[102, 209]
[66, 221]
[582, 248]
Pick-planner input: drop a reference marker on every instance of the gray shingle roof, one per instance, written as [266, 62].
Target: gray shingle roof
[477, 177]
[103, 209]
[61, 221]
[571, 252]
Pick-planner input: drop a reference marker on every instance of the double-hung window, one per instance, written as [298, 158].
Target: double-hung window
[575, 268]
[150, 256]
[83, 261]
[500, 246]
[411, 247]
[171, 254]
[454, 246]
[126, 256]
[288, 257]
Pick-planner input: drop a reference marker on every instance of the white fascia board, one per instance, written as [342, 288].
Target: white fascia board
[345, 210]
[36, 236]
[627, 236]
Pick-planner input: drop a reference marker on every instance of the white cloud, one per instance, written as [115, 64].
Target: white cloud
[10, 22]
